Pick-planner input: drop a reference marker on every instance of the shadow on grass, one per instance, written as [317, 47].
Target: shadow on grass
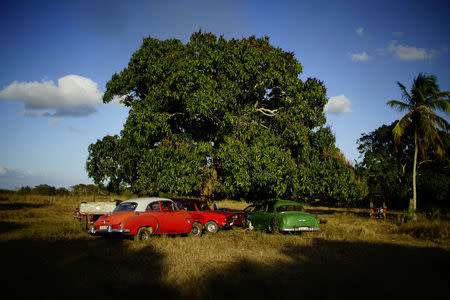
[19, 205]
[69, 269]
[9, 226]
[325, 269]
[335, 270]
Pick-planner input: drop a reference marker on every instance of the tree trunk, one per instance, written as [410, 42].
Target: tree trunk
[413, 201]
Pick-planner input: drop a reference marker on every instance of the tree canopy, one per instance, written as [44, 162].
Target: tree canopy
[388, 168]
[217, 117]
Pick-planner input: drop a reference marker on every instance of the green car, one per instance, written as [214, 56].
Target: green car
[280, 215]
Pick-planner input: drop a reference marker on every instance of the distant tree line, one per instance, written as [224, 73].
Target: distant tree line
[48, 190]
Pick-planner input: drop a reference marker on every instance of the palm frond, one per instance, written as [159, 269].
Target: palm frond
[405, 95]
[398, 105]
[440, 104]
[401, 126]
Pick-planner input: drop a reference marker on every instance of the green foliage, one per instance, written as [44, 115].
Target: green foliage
[388, 168]
[25, 190]
[84, 189]
[44, 189]
[220, 118]
[433, 213]
[421, 105]
[62, 192]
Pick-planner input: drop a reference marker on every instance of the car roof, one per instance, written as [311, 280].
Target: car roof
[142, 203]
[188, 200]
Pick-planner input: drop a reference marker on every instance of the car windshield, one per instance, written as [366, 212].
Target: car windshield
[285, 208]
[125, 206]
[254, 208]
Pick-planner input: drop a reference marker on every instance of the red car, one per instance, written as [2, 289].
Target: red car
[213, 219]
[240, 217]
[146, 216]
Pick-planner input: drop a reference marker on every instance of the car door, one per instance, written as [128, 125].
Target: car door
[257, 216]
[172, 220]
[268, 215]
[154, 209]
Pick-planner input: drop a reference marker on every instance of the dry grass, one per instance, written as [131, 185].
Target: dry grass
[45, 249]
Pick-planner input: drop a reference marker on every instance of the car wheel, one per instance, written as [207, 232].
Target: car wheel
[143, 234]
[211, 227]
[250, 225]
[274, 226]
[196, 230]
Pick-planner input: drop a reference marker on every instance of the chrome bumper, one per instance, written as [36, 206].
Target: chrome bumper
[301, 228]
[92, 230]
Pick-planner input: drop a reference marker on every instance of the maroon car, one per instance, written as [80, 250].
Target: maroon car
[214, 220]
[240, 217]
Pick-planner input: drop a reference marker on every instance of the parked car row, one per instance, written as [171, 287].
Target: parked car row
[144, 217]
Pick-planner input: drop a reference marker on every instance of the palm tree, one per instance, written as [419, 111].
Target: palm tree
[421, 105]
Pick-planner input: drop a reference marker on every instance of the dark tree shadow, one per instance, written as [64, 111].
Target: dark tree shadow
[337, 270]
[91, 268]
[9, 226]
[20, 205]
[108, 269]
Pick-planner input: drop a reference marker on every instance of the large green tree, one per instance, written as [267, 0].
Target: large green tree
[220, 117]
[421, 105]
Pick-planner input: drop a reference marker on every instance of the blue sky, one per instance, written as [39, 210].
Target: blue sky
[57, 56]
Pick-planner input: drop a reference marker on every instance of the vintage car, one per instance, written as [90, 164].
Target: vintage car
[144, 217]
[214, 219]
[240, 217]
[280, 215]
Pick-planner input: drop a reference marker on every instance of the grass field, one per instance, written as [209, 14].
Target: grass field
[45, 254]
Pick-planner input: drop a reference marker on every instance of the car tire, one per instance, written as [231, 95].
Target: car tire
[211, 227]
[196, 230]
[274, 226]
[143, 234]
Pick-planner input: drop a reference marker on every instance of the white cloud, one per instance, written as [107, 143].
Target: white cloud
[360, 56]
[410, 53]
[71, 96]
[338, 104]
[360, 31]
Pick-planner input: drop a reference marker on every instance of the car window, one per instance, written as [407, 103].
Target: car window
[249, 208]
[179, 205]
[167, 206]
[202, 206]
[189, 206]
[153, 206]
[285, 208]
[259, 208]
[126, 206]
